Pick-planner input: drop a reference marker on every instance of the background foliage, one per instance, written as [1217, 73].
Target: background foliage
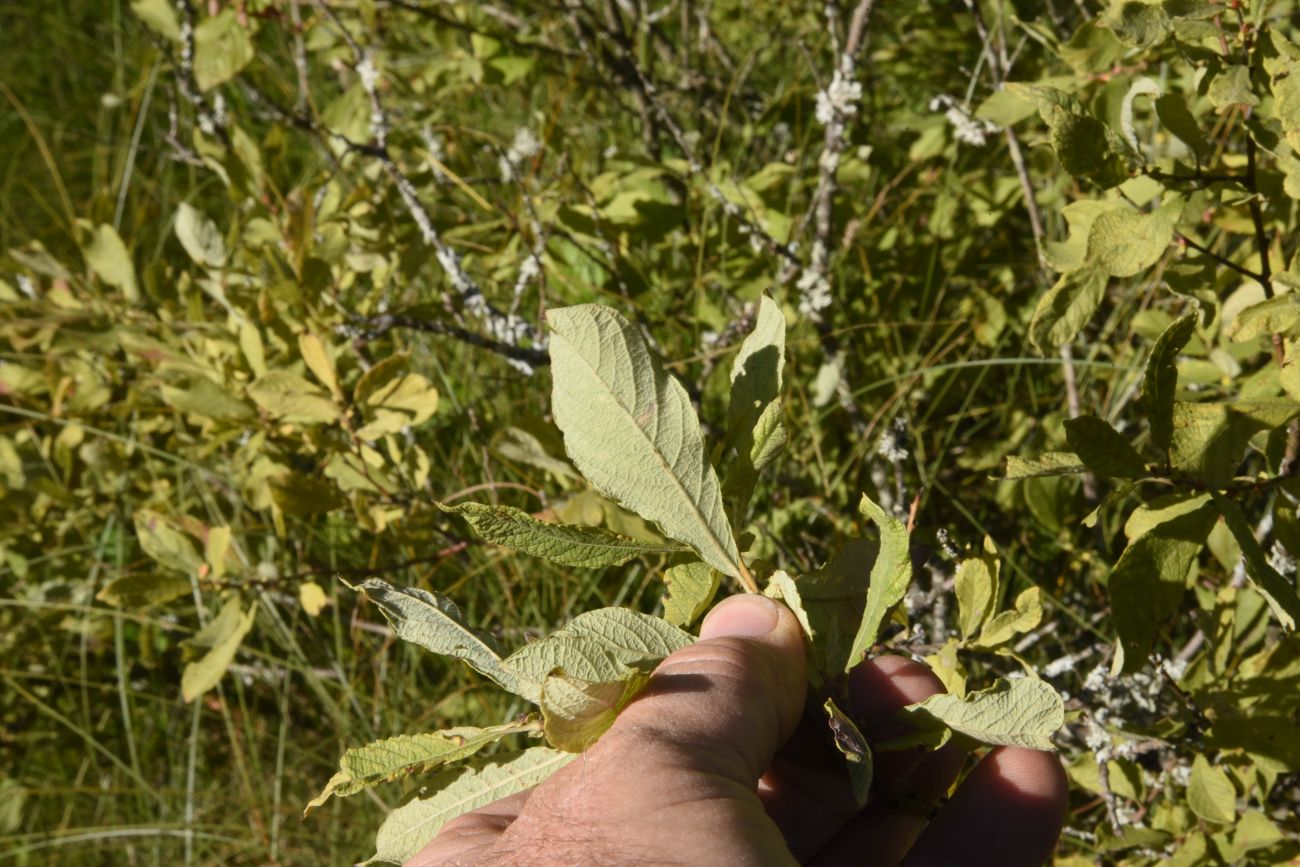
[273, 282]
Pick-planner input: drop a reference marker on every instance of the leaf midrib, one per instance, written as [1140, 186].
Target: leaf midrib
[694, 507]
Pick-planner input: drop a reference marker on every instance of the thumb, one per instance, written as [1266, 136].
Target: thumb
[725, 704]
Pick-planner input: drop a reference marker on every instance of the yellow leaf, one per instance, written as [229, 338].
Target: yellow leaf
[312, 598]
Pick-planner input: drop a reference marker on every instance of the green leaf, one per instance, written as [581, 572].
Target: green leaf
[1209, 439]
[1150, 578]
[433, 621]
[222, 48]
[853, 745]
[222, 635]
[164, 543]
[1274, 315]
[1210, 793]
[756, 373]
[320, 361]
[630, 429]
[891, 574]
[108, 257]
[1046, 464]
[1072, 253]
[1067, 307]
[1025, 616]
[1106, 452]
[1126, 242]
[1174, 115]
[1021, 712]
[1141, 86]
[159, 16]
[452, 793]
[143, 591]
[203, 397]
[1138, 23]
[1280, 593]
[401, 756]
[596, 646]
[828, 603]
[200, 237]
[1284, 81]
[1081, 144]
[1160, 381]
[976, 587]
[690, 588]
[404, 401]
[1151, 514]
[1254, 831]
[577, 712]
[303, 495]
[291, 398]
[566, 544]
[1231, 87]
[754, 416]
[522, 447]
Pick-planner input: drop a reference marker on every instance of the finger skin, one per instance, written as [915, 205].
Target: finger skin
[673, 780]
[806, 791]
[463, 837]
[883, 832]
[1013, 805]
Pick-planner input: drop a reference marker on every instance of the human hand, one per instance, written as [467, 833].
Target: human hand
[716, 763]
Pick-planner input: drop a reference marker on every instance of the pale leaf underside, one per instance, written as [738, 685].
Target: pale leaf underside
[630, 429]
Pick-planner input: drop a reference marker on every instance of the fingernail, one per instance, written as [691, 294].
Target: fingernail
[745, 616]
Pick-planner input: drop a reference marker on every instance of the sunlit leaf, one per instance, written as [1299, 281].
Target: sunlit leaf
[410, 827]
[630, 428]
[891, 574]
[401, 756]
[222, 636]
[435, 623]
[1020, 712]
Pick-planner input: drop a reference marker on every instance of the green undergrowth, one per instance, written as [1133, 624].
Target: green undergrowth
[1038, 311]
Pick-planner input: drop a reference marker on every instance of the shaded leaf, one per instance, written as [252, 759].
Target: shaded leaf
[1172, 111]
[1106, 452]
[1148, 582]
[1067, 307]
[690, 588]
[577, 712]
[566, 544]
[1160, 381]
[853, 745]
[1280, 593]
[142, 591]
